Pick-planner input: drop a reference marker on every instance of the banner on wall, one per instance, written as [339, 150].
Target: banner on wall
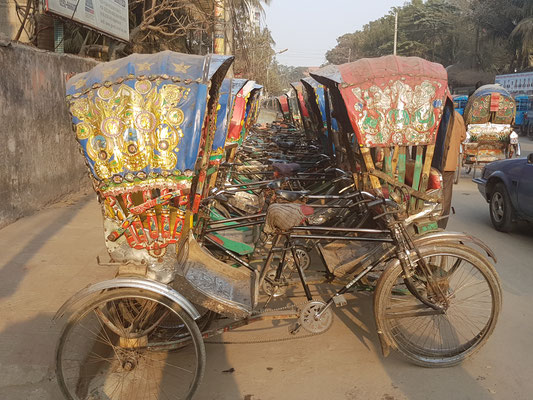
[109, 17]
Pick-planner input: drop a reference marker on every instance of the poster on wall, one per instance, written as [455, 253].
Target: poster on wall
[107, 16]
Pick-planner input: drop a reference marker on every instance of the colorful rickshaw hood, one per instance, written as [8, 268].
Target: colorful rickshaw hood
[140, 119]
[228, 92]
[239, 109]
[490, 103]
[390, 100]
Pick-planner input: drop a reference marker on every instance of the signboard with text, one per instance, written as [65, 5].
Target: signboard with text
[107, 16]
[520, 83]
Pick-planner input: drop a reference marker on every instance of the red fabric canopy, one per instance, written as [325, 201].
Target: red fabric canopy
[394, 100]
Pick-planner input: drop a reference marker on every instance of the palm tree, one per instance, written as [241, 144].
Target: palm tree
[522, 36]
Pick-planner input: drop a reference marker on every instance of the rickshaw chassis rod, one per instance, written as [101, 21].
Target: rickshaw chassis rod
[235, 219]
[247, 321]
[226, 227]
[339, 229]
[345, 238]
[399, 237]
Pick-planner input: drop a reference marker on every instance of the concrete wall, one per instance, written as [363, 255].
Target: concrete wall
[39, 158]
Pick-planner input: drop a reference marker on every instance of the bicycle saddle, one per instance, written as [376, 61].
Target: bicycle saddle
[291, 196]
[287, 169]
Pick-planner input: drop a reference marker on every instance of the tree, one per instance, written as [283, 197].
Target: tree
[492, 35]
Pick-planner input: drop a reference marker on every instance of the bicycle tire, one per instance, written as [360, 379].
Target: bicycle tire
[117, 368]
[390, 287]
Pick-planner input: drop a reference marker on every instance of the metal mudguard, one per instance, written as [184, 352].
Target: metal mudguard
[128, 282]
[433, 237]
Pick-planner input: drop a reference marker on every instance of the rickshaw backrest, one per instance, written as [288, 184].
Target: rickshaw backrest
[142, 122]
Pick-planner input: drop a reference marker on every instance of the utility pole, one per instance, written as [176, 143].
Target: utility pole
[395, 31]
[220, 19]
[350, 54]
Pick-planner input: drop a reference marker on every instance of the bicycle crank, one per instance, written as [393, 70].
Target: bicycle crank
[309, 319]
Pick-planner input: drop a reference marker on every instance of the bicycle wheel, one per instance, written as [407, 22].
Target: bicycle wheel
[425, 336]
[130, 344]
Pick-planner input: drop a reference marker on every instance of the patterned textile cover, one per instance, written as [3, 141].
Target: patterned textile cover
[313, 93]
[391, 100]
[140, 124]
[139, 119]
[239, 109]
[490, 103]
[226, 101]
[298, 87]
[284, 105]
[489, 132]
[292, 101]
[320, 98]
[484, 151]
[253, 107]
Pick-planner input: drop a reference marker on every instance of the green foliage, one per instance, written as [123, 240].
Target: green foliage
[493, 35]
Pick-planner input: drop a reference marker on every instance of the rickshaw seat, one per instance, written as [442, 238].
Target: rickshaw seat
[283, 217]
[290, 195]
[285, 169]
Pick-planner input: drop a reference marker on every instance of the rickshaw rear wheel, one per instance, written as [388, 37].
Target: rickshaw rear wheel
[158, 354]
[429, 338]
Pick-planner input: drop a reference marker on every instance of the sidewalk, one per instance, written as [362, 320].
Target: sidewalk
[47, 257]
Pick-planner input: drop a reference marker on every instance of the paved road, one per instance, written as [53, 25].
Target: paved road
[49, 256]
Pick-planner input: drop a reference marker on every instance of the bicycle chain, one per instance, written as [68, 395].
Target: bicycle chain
[274, 340]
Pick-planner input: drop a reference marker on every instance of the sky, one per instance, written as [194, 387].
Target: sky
[309, 28]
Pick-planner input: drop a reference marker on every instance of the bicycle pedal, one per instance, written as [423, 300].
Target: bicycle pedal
[294, 329]
[339, 300]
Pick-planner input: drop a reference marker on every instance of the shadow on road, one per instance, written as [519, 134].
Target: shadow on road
[12, 271]
[27, 360]
[414, 382]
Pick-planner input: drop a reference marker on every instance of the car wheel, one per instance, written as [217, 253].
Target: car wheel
[501, 209]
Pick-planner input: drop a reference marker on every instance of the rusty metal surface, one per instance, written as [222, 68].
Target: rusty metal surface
[214, 285]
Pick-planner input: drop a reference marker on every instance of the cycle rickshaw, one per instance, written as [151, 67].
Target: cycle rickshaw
[146, 125]
[489, 117]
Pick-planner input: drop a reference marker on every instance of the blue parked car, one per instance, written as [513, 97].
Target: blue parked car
[507, 185]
